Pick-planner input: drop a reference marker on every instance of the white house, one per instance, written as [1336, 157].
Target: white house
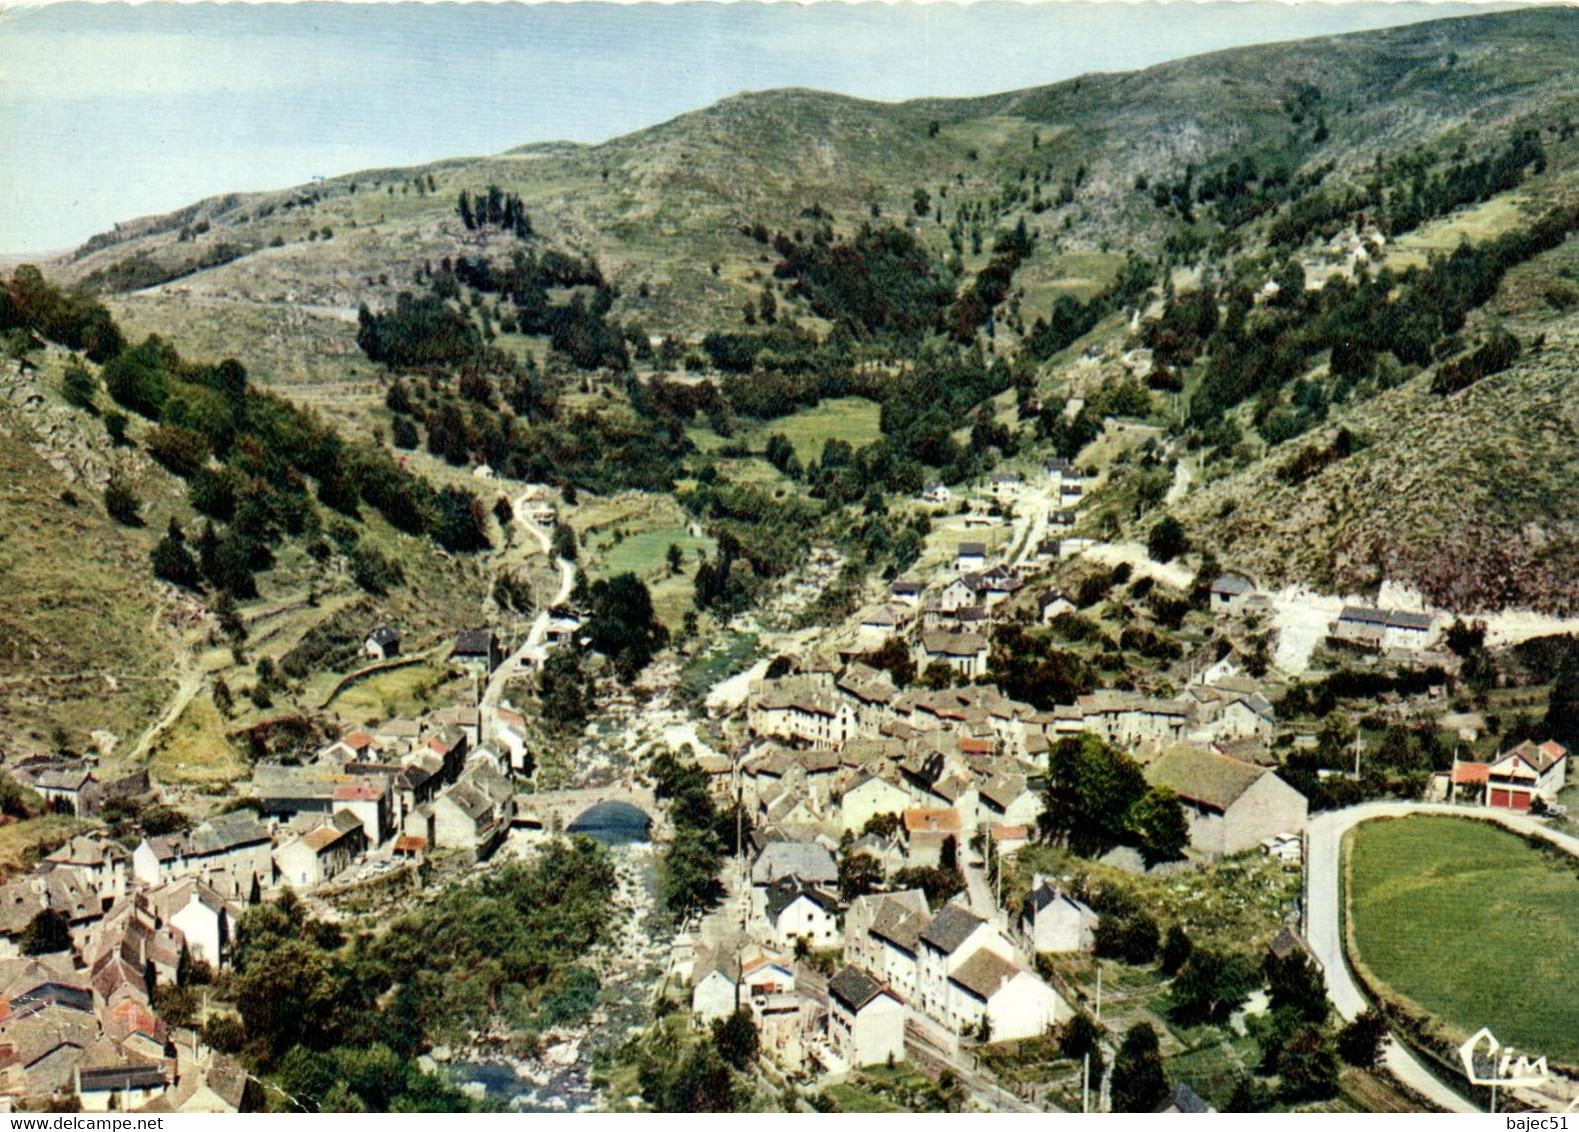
[1528, 771]
[1012, 1002]
[382, 643]
[970, 556]
[866, 1022]
[868, 798]
[797, 911]
[715, 988]
[1053, 921]
[205, 919]
[954, 934]
[320, 854]
[121, 1088]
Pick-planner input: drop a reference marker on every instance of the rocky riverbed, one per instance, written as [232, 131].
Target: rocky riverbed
[629, 967]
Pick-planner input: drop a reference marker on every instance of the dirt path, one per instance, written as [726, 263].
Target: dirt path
[191, 683]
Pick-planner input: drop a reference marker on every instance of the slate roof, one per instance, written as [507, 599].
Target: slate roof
[950, 928]
[1389, 618]
[1045, 895]
[1233, 585]
[473, 642]
[900, 925]
[115, 1077]
[801, 859]
[1186, 1099]
[853, 988]
[785, 892]
[938, 642]
[1203, 777]
[971, 550]
[384, 636]
[226, 832]
[984, 973]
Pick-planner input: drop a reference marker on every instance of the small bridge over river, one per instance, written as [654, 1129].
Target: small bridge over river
[558, 810]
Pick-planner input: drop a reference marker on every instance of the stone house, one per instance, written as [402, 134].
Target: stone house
[1231, 805]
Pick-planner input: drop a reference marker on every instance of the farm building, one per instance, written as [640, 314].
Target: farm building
[1231, 805]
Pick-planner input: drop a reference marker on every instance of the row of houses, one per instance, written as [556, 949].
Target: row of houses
[900, 961]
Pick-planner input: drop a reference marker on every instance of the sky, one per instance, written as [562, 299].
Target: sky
[110, 111]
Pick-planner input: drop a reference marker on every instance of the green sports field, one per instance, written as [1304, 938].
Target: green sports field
[1472, 925]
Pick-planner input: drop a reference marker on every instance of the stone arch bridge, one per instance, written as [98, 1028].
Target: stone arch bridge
[559, 809]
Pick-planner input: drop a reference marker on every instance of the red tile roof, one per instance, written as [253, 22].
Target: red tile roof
[1471, 774]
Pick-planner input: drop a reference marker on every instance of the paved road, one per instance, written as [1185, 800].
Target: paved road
[1324, 921]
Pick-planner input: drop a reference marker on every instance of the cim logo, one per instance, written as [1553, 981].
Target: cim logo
[1489, 1062]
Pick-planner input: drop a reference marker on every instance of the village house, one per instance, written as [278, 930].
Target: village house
[869, 797]
[382, 643]
[866, 1022]
[715, 987]
[926, 831]
[804, 861]
[476, 649]
[118, 1088]
[475, 814]
[895, 933]
[1053, 921]
[1231, 806]
[798, 709]
[999, 1000]
[61, 784]
[1530, 771]
[102, 864]
[970, 556]
[1005, 800]
[205, 919]
[1052, 604]
[871, 692]
[799, 911]
[1130, 719]
[954, 935]
[906, 592]
[879, 624]
[1232, 708]
[937, 493]
[1229, 592]
[321, 853]
[229, 851]
[965, 652]
[767, 989]
[866, 915]
[1384, 629]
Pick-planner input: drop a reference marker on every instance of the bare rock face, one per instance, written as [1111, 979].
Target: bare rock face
[57, 432]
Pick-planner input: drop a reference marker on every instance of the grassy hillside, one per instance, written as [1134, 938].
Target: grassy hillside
[1211, 171]
[664, 207]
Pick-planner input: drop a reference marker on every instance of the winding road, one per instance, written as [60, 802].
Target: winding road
[1324, 920]
[532, 649]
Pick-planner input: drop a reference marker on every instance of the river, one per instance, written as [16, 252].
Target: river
[630, 966]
